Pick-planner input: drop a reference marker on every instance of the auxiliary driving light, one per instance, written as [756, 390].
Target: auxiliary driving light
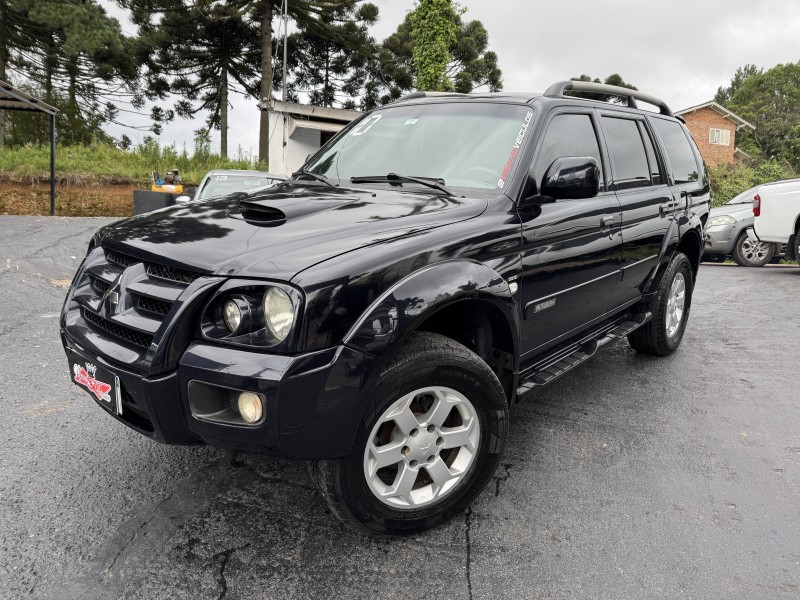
[250, 407]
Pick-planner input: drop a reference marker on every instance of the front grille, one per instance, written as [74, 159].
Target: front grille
[120, 259]
[141, 303]
[158, 307]
[137, 338]
[171, 273]
[100, 286]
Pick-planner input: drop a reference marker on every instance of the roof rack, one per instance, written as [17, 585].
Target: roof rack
[557, 91]
[415, 95]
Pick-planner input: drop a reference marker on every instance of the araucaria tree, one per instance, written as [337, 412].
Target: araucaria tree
[331, 65]
[71, 53]
[202, 52]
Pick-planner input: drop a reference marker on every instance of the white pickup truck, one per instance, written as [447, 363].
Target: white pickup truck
[776, 209]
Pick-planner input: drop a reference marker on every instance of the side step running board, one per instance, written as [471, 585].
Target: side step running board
[550, 369]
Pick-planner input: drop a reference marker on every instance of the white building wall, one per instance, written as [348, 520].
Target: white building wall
[300, 142]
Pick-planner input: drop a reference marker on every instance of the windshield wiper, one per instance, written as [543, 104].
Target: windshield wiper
[316, 176]
[437, 184]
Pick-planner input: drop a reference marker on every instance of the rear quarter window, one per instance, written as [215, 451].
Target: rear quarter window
[679, 150]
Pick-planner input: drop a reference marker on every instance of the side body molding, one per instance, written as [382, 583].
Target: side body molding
[412, 300]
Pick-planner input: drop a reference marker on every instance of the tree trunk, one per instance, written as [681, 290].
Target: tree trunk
[49, 66]
[3, 51]
[223, 113]
[266, 80]
[326, 100]
[72, 107]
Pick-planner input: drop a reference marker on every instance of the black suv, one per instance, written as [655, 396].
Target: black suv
[380, 313]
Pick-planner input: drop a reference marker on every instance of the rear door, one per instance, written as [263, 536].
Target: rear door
[688, 180]
[646, 201]
[572, 247]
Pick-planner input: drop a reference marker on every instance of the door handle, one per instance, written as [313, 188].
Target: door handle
[606, 222]
[665, 208]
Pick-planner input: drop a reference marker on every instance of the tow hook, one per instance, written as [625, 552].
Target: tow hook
[236, 458]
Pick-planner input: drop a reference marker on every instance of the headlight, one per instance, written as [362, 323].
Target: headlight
[247, 313]
[232, 316]
[278, 312]
[723, 220]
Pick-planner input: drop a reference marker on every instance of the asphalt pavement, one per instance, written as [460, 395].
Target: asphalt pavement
[630, 477]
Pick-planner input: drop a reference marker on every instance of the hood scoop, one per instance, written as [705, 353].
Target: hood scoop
[276, 209]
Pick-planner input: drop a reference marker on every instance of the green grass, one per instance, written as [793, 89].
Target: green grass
[86, 165]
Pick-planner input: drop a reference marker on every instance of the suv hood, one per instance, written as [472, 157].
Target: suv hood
[283, 230]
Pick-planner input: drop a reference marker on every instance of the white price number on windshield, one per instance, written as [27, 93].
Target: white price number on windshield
[366, 125]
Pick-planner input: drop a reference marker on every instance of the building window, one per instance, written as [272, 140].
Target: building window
[721, 137]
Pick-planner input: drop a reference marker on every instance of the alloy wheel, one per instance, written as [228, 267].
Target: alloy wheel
[421, 447]
[675, 305]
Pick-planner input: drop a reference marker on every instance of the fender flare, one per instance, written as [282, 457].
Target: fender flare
[671, 242]
[401, 309]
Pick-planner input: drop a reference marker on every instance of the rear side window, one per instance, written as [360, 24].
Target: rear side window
[679, 151]
[627, 153]
[568, 135]
[655, 170]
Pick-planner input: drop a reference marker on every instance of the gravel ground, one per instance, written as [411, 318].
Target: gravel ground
[631, 477]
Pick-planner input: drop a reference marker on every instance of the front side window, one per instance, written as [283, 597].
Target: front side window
[627, 153]
[567, 135]
[679, 151]
[464, 144]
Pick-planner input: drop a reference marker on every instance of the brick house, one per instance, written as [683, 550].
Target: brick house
[714, 128]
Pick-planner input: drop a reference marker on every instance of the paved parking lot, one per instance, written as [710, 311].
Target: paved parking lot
[631, 477]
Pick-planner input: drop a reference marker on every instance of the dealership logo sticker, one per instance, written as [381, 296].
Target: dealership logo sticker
[85, 377]
[515, 150]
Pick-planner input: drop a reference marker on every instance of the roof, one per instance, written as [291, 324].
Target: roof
[13, 99]
[309, 112]
[718, 108]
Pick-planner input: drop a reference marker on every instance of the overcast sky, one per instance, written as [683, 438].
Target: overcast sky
[680, 51]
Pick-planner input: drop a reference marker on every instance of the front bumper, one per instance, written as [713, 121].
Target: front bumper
[720, 240]
[314, 402]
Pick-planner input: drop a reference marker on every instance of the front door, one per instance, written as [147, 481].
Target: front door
[572, 247]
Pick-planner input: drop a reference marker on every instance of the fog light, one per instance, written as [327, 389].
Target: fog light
[250, 407]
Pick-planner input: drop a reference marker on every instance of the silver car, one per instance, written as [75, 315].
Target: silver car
[727, 234]
[221, 182]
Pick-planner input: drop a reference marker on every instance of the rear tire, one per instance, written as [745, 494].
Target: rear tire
[751, 253]
[662, 334]
[430, 440]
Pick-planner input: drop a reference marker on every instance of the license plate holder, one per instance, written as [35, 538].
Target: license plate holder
[98, 381]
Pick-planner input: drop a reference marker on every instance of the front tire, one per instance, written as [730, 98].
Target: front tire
[430, 440]
[662, 334]
[751, 253]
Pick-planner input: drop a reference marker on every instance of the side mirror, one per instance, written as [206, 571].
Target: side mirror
[183, 199]
[572, 178]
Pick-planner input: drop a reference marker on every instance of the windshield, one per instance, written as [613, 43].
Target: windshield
[222, 185]
[463, 144]
[744, 197]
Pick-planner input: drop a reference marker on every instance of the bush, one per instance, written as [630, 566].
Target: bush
[728, 181]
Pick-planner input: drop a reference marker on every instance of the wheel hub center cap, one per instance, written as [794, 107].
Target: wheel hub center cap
[422, 446]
